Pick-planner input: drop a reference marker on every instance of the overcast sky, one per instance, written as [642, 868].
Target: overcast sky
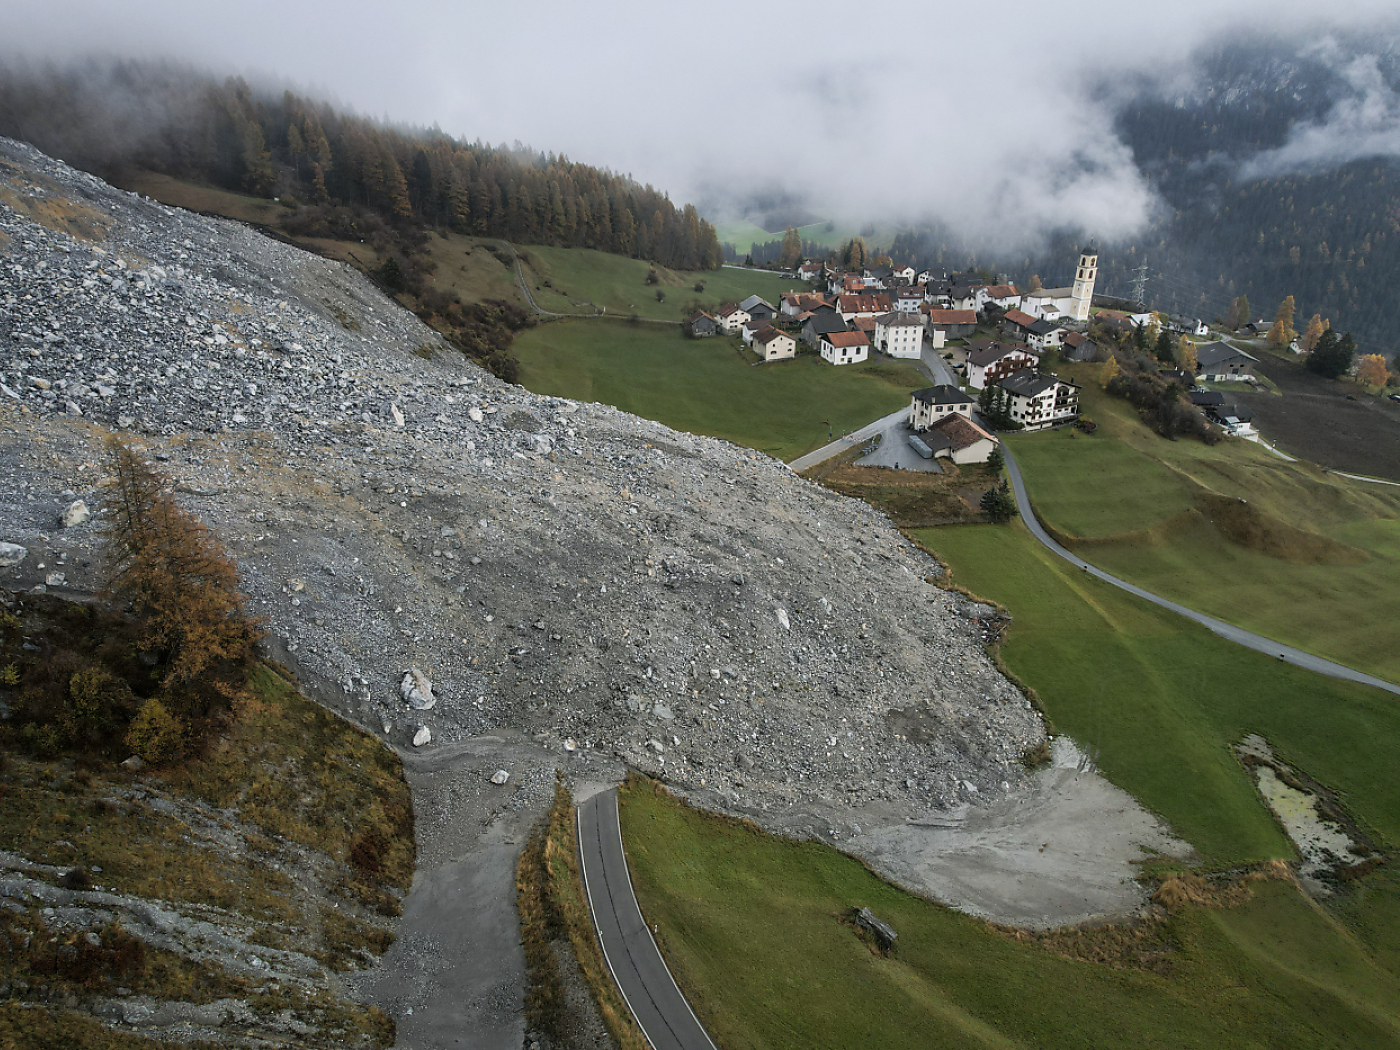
[973, 113]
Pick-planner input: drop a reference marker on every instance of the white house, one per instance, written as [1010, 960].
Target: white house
[907, 298]
[771, 344]
[904, 273]
[957, 438]
[928, 406]
[1039, 401]
[1045, 335]
[1003, 295]
[845, 348]
[997, 361]
[899, 334]
[731, 318]
[1049, 303]
[752, 327]
[849, 306]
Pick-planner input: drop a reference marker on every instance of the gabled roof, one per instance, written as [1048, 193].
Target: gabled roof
[767, 335]
[754, 300]
[994, 352]
[1030, 383]
[1073, 339]
[942, 394]
[936, 316]
[1001, 291]
[1019, 317]
[845, 339]
[730, 311]
[1217, 353]
[960, 432]
[863, 304]
[1206, 397]
[900, 319]
[823, 322]
[1044, 327]
[697, 316]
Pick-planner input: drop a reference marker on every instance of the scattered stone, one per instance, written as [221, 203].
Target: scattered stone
[76, 513]
[423, 736]
[12, 554]
[134, 764]
[499, 777]
[417, 690]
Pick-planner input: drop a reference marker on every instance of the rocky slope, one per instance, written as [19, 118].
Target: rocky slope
[607, 585]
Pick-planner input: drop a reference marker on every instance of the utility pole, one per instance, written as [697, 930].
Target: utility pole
[1140, 284]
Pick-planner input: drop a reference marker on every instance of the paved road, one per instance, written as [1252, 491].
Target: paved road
[666, 1019]
[1220, 627]
[942, 372]
[866, 432]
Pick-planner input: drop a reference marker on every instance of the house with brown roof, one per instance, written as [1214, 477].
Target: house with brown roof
[772, 344]
[957, 438]
[1017, 323]
[948, 324]
[731, 318]
[702, 324]
[863, 305]
[794, 304]
[995, 361]
[845, 348]
[1003, 295]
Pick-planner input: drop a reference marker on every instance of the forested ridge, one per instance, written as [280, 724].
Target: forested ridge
[114, 116]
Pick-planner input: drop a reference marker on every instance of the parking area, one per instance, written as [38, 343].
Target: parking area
[894, 453]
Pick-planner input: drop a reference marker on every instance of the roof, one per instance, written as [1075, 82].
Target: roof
[702, 315]
[755, 300]
[1207, 397]
[770, 333]
[843, 339]
[863, 304]
[952, 317]
[1234, 413]
[823, 322]
[942, 394]
[1001, 291]
[1051, 293]
[1030, 383]
[960, 432]
[1044, 327]
[864, 324]
[995, 352]
[730, 311]
[1019, 317]
[1218, 353]
[900, 319]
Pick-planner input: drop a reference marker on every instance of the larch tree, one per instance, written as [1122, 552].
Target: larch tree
[1282, 333]
[1186, 355]
[1371, 370]
[791, 254]
[1314, 331]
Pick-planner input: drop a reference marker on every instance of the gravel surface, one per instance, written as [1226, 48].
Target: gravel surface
[574, 586]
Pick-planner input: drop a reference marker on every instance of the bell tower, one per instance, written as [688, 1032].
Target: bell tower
[1084, 276]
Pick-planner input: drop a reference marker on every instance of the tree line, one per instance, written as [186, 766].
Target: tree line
[180, 123]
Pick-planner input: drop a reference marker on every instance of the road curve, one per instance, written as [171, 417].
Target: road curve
[1228, 631]
[662, 1012]
[811, 459]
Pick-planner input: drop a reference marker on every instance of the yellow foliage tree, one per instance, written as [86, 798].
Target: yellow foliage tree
[1111, 371]
[1034, 285]
[1313, 333]
[1282, 333]
[1371, 370]
[1186, 354]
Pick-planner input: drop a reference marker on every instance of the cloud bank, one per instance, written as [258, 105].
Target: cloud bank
[992, 121]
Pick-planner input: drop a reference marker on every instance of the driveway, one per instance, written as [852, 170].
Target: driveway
[894, 452]
[841, 444]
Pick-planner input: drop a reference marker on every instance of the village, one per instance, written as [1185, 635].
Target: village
[988, 347]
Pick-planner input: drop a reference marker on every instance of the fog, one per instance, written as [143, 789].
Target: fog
[994, 120]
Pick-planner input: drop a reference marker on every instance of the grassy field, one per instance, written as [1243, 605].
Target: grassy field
[1309, 558]
[744, 235]
[753, 928]
[619, 284]
[710, 386]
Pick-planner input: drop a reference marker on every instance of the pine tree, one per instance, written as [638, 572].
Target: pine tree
[998, 503]
[1164, 347]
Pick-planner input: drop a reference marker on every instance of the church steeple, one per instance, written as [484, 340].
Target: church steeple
[1084, 276]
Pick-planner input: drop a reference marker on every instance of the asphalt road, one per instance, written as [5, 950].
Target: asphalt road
[865, 433]
[665, 1017]
[1235, 634]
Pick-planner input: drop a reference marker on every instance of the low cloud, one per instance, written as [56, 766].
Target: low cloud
[1367, 124]
[993, 122]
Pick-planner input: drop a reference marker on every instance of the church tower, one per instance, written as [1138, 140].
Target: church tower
[1084, 276]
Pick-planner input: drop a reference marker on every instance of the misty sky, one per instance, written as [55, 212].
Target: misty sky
[975, 114]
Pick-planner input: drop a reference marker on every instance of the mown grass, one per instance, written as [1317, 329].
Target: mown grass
[706, 386]
[1308, 558]
[620, 284]
[1164, 700]
[753, 928]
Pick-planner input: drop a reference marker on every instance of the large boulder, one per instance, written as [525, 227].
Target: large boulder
[76, 513]
[12, 554]
[417, 690]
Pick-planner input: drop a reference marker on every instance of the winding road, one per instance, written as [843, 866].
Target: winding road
[1228, 631]
[652, 995]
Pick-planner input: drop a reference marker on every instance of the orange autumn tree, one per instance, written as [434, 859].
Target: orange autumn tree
[181, 586]
[1371, 370]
